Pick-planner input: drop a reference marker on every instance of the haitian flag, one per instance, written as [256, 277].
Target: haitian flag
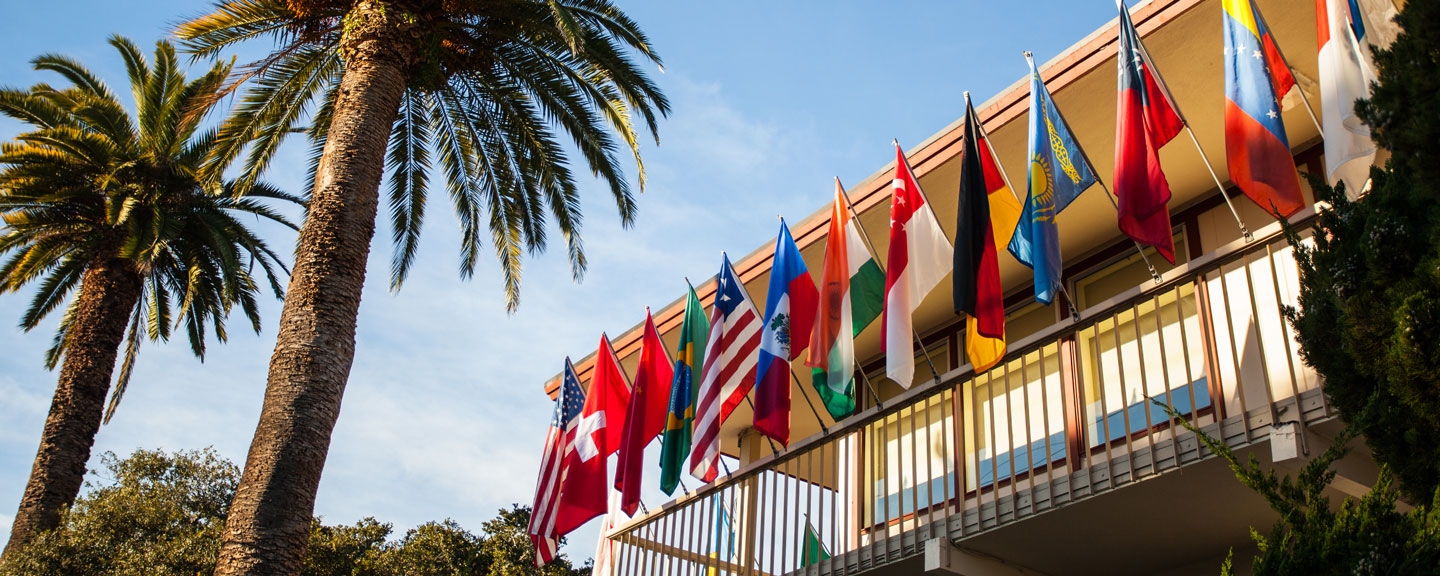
[1256, 77]
[1036, 242]
[986, 206]
[675, 445]
[1145, 119]
[646, 415]
[790, 306]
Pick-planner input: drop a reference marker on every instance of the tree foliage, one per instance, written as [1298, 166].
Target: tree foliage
[1369, 314]
[161, 514]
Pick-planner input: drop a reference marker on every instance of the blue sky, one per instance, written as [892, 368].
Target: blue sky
[444, 415]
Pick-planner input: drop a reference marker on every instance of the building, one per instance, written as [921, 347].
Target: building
[1054, 461]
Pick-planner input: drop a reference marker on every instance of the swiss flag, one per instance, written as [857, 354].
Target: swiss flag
[597, 436]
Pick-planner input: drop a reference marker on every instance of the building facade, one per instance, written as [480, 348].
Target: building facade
[1055, 461]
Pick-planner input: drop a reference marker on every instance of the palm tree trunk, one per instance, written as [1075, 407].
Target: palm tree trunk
[268, 528]
[108, 294]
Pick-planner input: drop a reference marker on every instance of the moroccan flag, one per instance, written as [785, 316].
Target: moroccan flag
[1059, 173]
[920, 256]
[646, 416]
[812, 550]
[596, 437]
[852, 294]
[1145, 119]
[789, 318]
[1345, 76]
[1256, 77]
[986, 206]
[675, 445]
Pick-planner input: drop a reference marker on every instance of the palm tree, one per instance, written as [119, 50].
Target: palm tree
[489, 93]
[116, 211]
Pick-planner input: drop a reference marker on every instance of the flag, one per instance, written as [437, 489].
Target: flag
[675, 445]
[604, 546]
[789, 318]
[645, 417]
[729, 369]
[852, 294]
[812, 550]
[1146, 118]
[920, 256]
[1256, 77]
[596, 437]
[1059, 172]
[986, 206]
[1345, 76]
[724, 545]
[552, 470]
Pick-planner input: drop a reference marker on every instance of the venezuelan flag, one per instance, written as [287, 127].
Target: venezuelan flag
[1256, 77]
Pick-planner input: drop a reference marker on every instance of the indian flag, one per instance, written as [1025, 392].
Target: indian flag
[852, 294]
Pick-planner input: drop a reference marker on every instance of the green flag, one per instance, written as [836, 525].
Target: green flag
[813, 551]
[690, 356]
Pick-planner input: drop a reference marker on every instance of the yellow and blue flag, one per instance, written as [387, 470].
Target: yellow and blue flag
[1257, 151]
[1059, 172]
[680, 417]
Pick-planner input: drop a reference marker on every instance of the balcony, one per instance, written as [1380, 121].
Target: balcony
[1055, 461]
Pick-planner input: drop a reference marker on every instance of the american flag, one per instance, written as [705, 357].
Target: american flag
[552, 470]
[729, 370]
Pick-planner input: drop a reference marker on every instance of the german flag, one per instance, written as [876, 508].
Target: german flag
[986, 219]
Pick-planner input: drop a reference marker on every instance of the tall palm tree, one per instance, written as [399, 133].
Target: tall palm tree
[489, 93]
[117, 211]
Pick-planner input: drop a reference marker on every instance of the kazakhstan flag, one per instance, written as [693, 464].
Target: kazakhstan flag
[1059, 172]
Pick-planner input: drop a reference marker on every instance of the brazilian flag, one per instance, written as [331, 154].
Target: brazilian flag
[680, 417]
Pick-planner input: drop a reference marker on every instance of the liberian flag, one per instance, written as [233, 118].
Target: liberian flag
[852, 294]
[1345, 76]
[920, 257]
[789, 318]
[1256, 77]
[986, 219]
[729, 370]
[1145, 119]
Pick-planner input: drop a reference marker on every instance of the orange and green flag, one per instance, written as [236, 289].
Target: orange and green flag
[812, 551]
[675, 444]
[852, 294]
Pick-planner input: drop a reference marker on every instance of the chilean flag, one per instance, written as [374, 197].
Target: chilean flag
[790, 306]
[584, 489]
[1146, 118]
[1256, 77]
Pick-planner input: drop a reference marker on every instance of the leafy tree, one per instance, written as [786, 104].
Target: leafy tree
[483, 92]
[1369, 314]
[114, 210]
[159, 514]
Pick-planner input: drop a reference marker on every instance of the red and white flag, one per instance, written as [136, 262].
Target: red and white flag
[552, 467]
[920, 257]
[645, 417]
[595, 438]
[729, 370]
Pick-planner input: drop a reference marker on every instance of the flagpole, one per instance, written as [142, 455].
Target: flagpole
[993, 157]
[874, 254]
[1170, 98]
[1085, 156]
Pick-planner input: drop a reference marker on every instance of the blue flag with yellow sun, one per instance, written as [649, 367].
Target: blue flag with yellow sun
[1059, 172]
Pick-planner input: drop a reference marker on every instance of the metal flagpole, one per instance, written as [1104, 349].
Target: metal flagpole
[1153, 274]
[875, 255]
[1170, 98]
